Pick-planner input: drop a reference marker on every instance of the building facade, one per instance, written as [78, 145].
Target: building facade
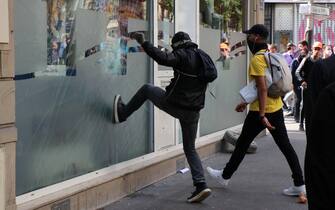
[287, 24]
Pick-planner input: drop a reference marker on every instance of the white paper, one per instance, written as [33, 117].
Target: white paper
[249, 92]
[184, 170]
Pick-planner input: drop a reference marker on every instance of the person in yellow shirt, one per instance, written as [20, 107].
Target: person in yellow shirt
[265, 112]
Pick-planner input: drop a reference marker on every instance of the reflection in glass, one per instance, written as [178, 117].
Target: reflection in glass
[220, 21]
[64, 123]
[224, 16]
[61, 21]
[115, 46]
[60, 42]
[165, 23]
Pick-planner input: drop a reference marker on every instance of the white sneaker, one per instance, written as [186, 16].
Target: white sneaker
[295, 190]
[217, 175]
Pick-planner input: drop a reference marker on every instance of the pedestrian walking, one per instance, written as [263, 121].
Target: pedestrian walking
[273, 48]
[298, 89]
[302, 73]
[265, 112]
[328, 51]
[289, 55]
[303, 45]
[183, 99]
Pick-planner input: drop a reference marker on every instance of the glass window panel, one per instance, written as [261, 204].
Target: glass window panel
[219, 21]
[72, 58]
[165, 20]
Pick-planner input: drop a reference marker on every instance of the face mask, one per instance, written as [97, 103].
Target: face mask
[255, 47]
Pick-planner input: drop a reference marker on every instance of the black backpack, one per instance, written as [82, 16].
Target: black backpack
[208, 72]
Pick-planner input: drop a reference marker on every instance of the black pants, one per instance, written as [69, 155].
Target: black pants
[297, 107]
[251, 128]
[188, 120]
[307, 100]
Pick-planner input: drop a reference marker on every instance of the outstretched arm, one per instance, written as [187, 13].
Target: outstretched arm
[171, 59]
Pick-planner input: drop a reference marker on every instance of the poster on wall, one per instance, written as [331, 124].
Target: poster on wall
[115, 47]
[4, 22]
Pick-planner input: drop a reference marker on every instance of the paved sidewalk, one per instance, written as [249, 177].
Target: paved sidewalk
[257, 185]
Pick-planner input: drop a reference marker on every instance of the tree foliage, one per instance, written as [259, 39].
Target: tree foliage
[231, 10]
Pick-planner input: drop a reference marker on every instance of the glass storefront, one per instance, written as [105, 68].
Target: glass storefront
[165, 23]
[220, 36]
[72, 58]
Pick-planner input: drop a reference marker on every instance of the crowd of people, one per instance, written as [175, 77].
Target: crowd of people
[313, 84]
[300, 60]
[313, 80]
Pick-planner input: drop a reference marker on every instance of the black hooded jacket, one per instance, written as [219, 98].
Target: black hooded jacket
[183, 91]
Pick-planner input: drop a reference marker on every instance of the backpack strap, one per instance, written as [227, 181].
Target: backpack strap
[266, 53]
[270, 63]
[185, 74]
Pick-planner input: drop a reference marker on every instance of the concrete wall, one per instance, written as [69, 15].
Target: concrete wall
[8, 133]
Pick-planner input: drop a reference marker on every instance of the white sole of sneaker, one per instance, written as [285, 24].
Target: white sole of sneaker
[115, 116]
[201, 196]
[294, 194]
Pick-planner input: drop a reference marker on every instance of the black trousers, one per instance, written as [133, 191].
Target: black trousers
[307, 100]
[251, 128]
[188, 121]
[298, 114]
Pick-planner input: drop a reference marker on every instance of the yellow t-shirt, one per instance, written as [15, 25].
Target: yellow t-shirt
[258, 67]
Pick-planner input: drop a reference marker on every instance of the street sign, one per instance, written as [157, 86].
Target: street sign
[308, 9]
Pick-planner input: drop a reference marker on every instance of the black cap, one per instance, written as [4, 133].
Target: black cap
[258, 29]
[180, 38]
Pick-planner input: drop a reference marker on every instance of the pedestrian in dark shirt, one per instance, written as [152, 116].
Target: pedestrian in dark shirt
[182, 99]
[320, 158]
[298, 116]
[302, 74]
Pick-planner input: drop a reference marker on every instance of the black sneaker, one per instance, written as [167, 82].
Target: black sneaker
[118, 105]
[200, 194]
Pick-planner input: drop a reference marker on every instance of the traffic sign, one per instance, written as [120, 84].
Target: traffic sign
[308, 9]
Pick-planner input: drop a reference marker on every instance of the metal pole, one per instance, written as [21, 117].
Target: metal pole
[309, 27]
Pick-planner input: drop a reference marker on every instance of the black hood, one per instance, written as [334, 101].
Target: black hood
[182, 40]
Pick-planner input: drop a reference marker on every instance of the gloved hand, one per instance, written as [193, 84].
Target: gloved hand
[139, 37]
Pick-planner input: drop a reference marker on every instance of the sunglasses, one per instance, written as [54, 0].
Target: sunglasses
[223, 49]
[317, 48]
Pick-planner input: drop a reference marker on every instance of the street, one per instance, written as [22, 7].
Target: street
[256, 185]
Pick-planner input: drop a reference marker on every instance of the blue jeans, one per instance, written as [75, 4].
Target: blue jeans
[188, 120]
